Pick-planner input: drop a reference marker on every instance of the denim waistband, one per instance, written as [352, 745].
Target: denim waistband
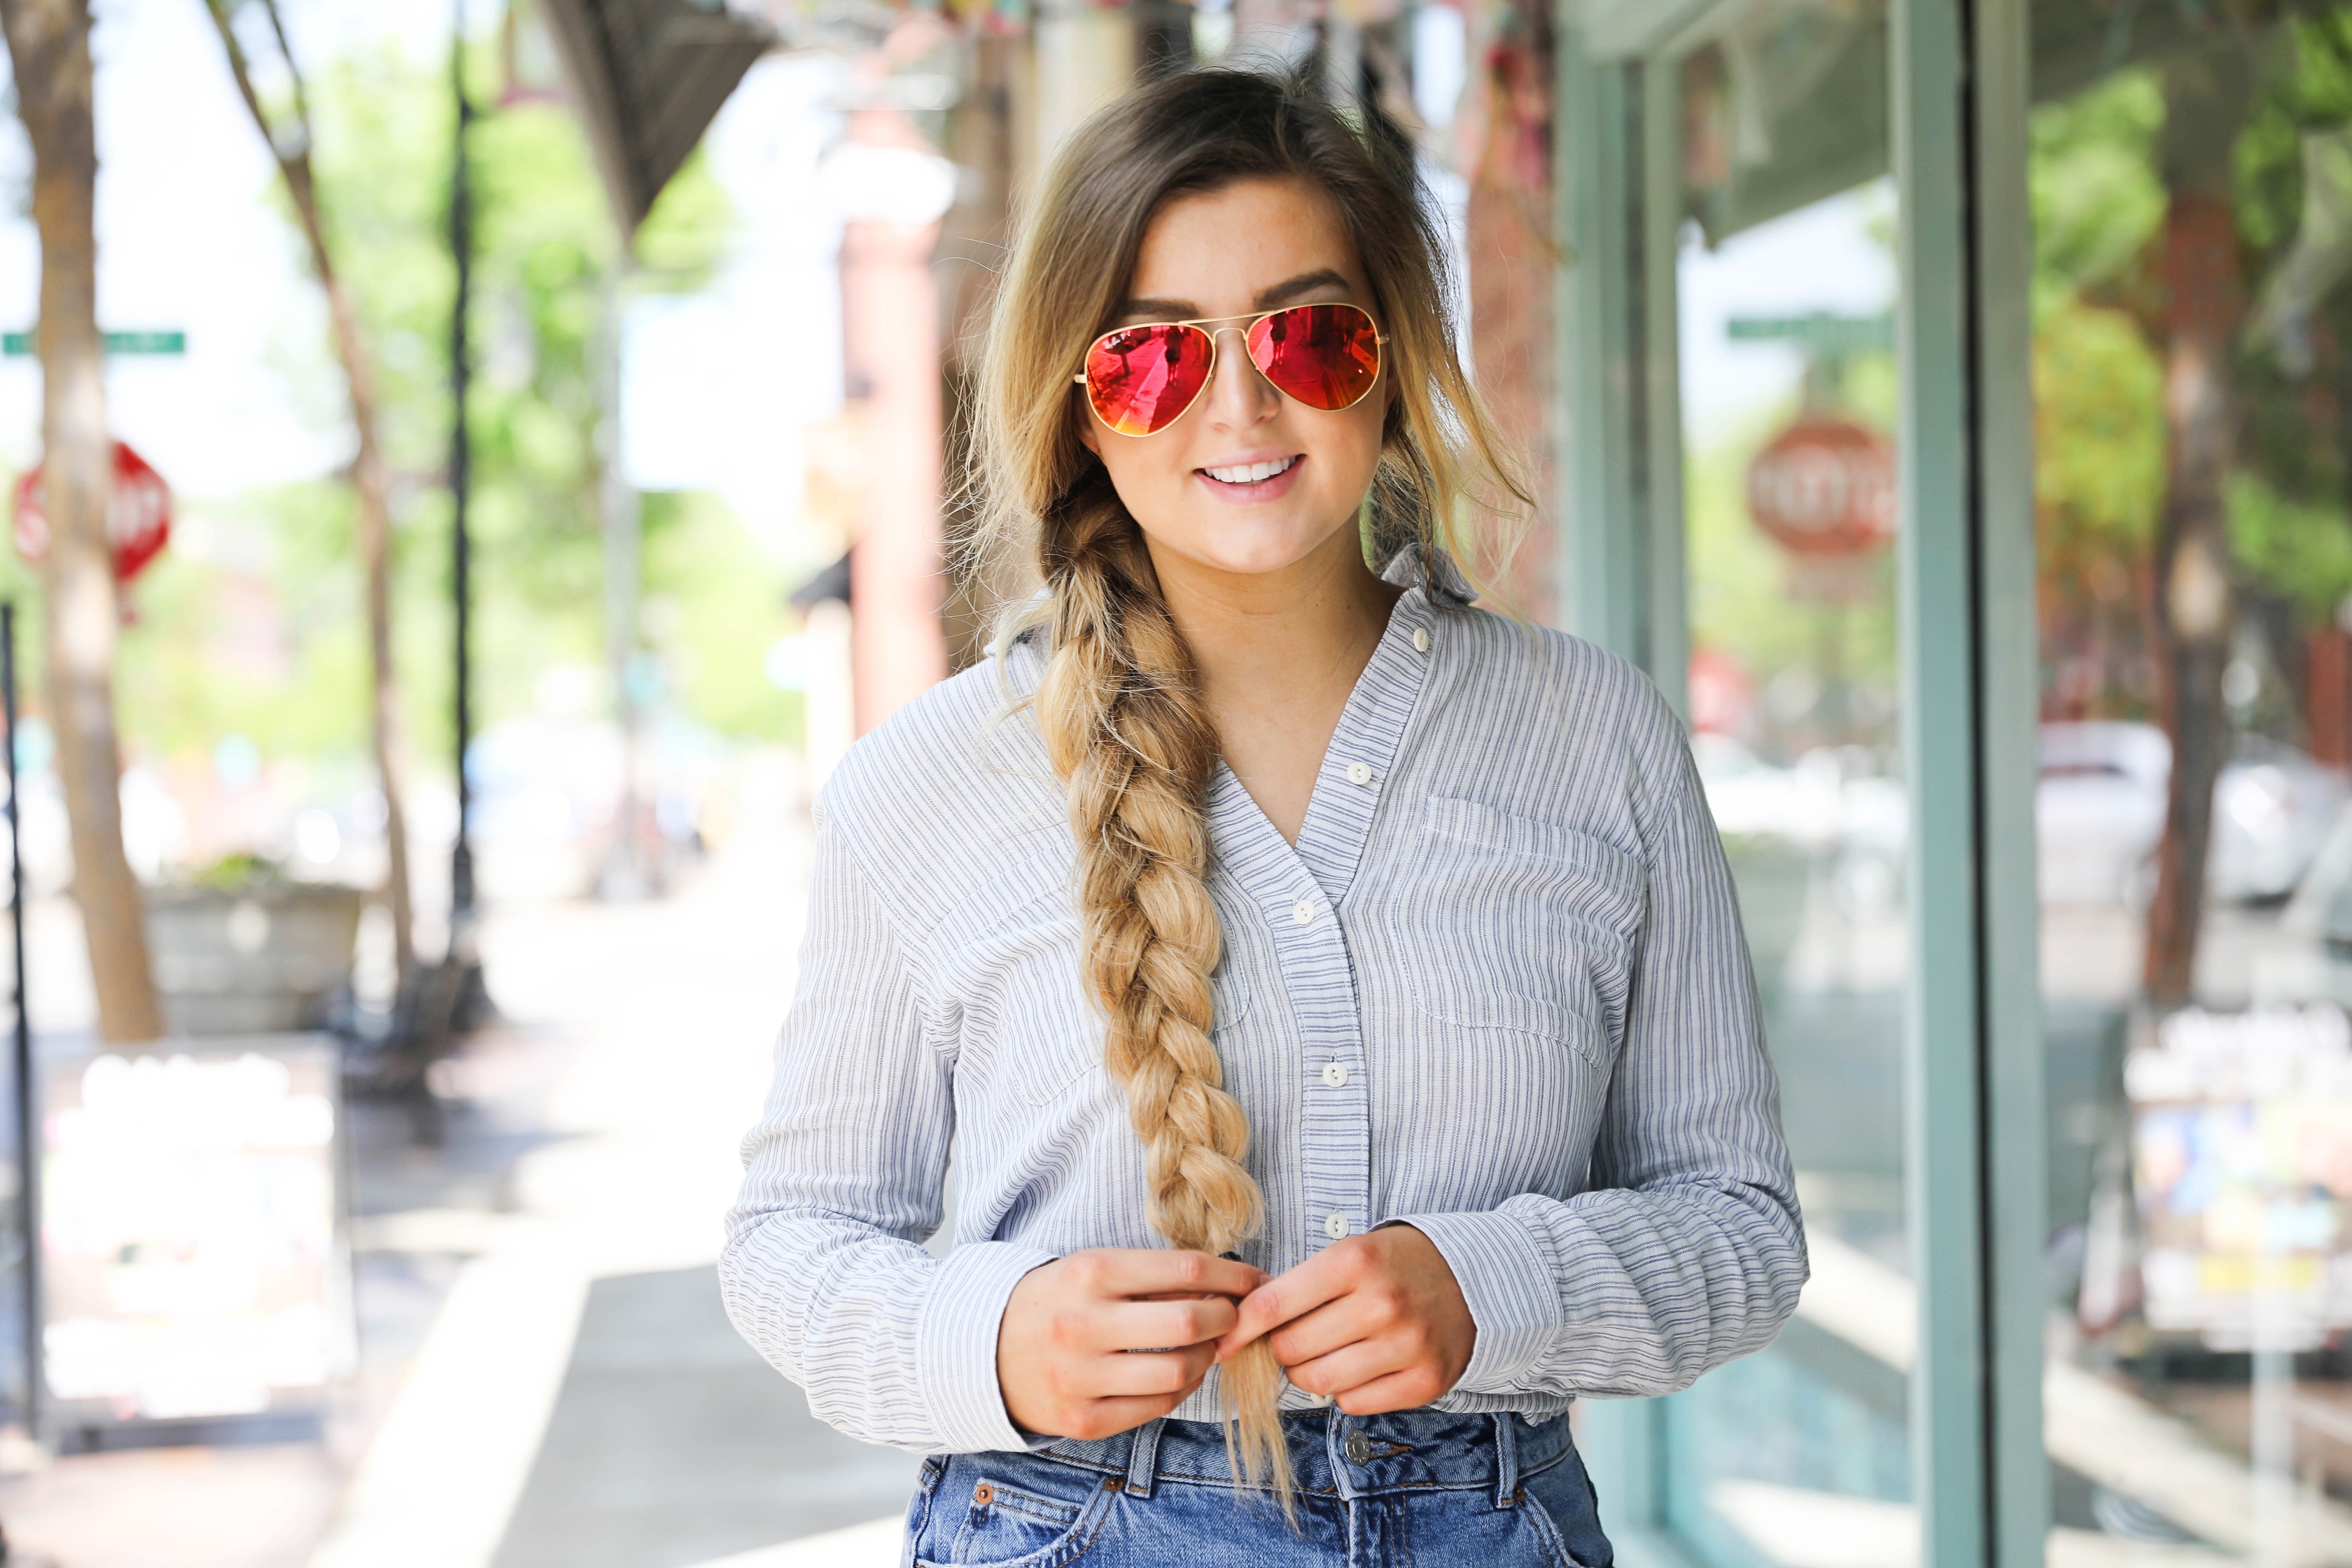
[1338, 1455]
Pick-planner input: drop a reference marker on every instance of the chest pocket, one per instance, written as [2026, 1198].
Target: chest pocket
[1525, 925]
[1027, 993]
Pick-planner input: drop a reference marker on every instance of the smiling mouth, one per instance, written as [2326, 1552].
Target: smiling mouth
[1252, 473]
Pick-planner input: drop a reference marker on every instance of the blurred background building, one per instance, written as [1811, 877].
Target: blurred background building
[1948, 402]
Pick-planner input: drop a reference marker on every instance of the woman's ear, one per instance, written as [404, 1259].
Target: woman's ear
[1088, 437]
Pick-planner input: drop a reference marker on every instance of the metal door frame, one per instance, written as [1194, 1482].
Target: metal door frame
[1975, 1190]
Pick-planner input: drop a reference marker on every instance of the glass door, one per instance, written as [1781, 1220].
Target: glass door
[1756, 313]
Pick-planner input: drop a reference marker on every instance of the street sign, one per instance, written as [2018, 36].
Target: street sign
[137, 514]
[19, 345]
[1820, 331]
[1824, 486]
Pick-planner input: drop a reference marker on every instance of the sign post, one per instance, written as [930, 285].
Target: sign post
[28, 1162]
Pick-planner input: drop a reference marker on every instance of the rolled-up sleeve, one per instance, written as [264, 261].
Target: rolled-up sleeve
[1687, 1249]
[824, 1270]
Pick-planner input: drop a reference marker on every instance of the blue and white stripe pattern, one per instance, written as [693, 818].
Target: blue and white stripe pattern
[1497, 991]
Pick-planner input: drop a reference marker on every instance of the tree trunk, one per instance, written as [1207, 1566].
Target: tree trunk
[290, 146]
[48, 43]
[2206, 97]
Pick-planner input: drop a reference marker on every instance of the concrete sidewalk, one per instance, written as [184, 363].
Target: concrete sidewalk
[547, 1375]
[672, 1443]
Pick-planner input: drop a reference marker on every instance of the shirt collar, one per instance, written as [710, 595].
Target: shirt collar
[1429, 568]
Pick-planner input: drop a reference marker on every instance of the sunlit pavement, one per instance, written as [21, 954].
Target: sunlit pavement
[547, 1377]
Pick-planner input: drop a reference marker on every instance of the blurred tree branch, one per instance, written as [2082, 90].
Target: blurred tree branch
[49, 46]
[289, 135]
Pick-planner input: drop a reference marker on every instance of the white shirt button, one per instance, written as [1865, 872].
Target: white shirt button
[1420, 639]
[1335, 1074]
[1320, 1401]
[1359, 774]
[1303, 911]
[1336, 1226]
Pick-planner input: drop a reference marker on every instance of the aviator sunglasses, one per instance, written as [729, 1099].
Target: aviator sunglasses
[1140, 380]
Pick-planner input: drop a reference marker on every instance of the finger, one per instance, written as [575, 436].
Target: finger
[1320, 1279]
[1327, 1328]
[1150, 1372]
[1147, 1271]
[1349, 1367]
[1408, 1389]
[1163, 1325]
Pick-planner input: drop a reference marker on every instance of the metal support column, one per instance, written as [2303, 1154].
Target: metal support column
[2016, 1185]
[461, 463]
[1606, 589]
[1971, 1035]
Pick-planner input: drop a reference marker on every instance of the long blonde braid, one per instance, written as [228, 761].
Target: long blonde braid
[1120, 711]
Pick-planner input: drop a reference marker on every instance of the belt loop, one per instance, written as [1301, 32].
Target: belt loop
[1506, 1461]
[1143, 1458]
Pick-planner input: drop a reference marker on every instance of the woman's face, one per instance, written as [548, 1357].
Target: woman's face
[1258, 245]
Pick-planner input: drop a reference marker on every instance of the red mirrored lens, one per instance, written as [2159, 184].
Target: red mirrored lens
[1326, 356]
[1140, 378]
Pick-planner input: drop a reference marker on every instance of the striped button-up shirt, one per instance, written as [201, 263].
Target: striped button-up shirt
[1496, 990]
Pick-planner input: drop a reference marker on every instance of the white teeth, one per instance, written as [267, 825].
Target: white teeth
[1249, 473]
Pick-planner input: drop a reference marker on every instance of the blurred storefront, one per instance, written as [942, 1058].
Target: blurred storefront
[1957, 407]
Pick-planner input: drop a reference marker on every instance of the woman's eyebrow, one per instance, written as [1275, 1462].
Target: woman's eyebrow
[1305, 283]
[1160, 310]
[1157, 310]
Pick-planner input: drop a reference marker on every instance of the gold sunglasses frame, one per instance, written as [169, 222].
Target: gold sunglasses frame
[1242, 324]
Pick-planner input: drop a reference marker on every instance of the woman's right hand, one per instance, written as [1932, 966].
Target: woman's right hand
[1103, 1341]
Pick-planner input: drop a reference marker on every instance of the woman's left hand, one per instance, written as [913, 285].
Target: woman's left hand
[1376, 1322]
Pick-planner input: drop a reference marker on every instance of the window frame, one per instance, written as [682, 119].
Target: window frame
[1972, 1049]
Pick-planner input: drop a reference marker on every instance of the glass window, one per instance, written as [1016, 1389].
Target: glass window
[2192, 177]
[1765, 150]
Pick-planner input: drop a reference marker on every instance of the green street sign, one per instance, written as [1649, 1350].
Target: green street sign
[1820, 332]
[19, 345]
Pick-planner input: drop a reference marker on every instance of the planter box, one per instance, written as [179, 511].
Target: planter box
[268, 960]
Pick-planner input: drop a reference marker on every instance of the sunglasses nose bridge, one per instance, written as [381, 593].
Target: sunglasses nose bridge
[1244, 364]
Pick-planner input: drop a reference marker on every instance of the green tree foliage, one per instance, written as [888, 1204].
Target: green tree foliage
[2298, 381]
[253, 627]
[2098, 392]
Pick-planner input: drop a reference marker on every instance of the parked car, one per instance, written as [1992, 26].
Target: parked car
[2100, 804]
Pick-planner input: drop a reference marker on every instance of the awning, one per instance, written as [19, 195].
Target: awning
[648, 76]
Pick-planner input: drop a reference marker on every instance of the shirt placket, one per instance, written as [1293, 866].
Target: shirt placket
[1302, 892]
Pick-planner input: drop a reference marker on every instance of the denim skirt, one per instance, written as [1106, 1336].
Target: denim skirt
[1416, 1488]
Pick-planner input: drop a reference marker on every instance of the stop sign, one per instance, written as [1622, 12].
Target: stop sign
[1824, 486]
[137, 514]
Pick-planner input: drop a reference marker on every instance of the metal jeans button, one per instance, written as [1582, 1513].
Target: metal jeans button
[1359, 1448]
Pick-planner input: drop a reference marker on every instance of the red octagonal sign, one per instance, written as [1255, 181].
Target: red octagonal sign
[137, 514]
[1824, 486]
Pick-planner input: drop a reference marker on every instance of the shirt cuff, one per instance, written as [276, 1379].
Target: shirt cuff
[955, 1345]
[1507, 1282]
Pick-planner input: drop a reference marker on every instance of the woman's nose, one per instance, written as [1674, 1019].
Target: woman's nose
[1238, 395]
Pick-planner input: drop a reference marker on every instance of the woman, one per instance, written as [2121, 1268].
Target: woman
[1334, 993]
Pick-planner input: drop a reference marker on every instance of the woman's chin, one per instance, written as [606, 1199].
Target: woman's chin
[1251, 562]
[1255, 549]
